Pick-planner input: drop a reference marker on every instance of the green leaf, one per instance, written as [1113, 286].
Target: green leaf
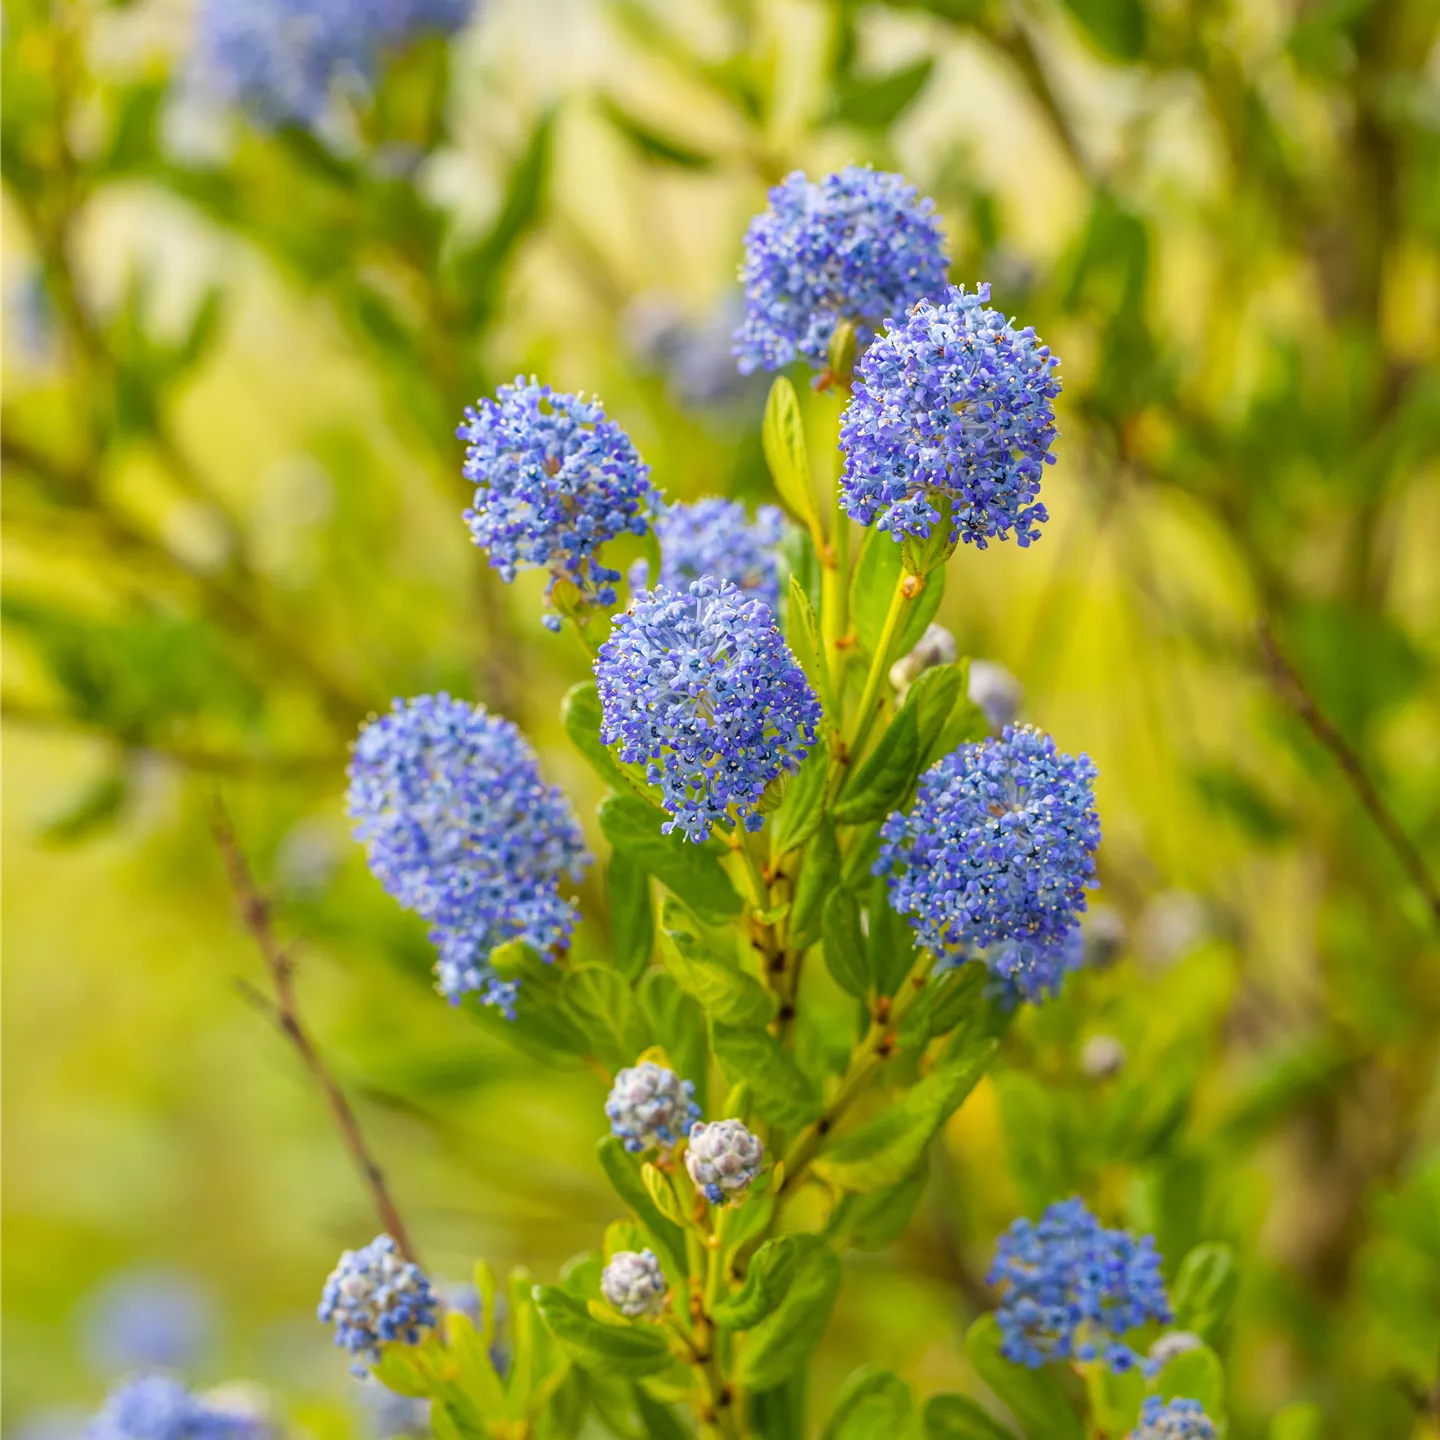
[877, 573]
[783, 437]
[955, 996]
[1117, 27]
[872, 1405]
[691, 871]
[819, 875]
[1204, 1291]
[780, 1091]
[891, 940]
[802, 630]
[614, 1349]
[477, 1377]
[580, 713]
[1195, 1375]
[875, 103]
[958, 1417]
[888, 1148]
[1115, 1399]
[1299, 1421]
[632, 919]
[846, 956]
[724, 991]
[766, 1283]
[623, 1172]
[651, 143]
[922, 611]
[403, 1370]
[662, 1193]
[1032, 1396]
[798, 817]
[678, 1024]
[599, 1001]
[781, 1343]
[873, 1221]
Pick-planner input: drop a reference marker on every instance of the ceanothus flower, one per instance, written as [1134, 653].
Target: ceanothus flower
[703, 690]
[159, 1407]
[1179, 1420]
[951, 406]
[143, 1318]
[723, 1158]
[554, 480]
[717, 538]
[651, 1108]
[1071, 1289]
[374, 1296]
[859, 246]
[459, 827]
[996, 855]
[633, 1283]
[282, 60]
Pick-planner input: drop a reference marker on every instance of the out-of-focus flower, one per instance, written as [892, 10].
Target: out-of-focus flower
[554, 480]
[1173, 1343]
[694, 356]
[996, 691]
[459, 827]
[634, 1284]
[951, 407]
[716, 538]
[145, 1319]
[1177, 1420]
[651, 1108]
[703, 690]
[1102, 1057]
[373, 1297]
[1171, 925]
[159, 1407]
[860, 246]
[723, 1158]
[1071, 1289]
[1105, 936]
[937, 647]
[387, 1414]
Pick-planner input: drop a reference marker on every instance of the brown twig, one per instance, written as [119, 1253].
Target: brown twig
[1288, 681]
[255, 915]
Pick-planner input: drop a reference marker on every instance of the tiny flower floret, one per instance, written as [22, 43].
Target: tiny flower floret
[1072, 1289]
[633, 1284]
[952, 405]
[375, 1296]
[723, 1159]
[860, 246]
[459, 827]
[996, 855]
[554, 480]
[702, 689]
[716, 538]
[651, 1108]
[1178, 1420]
[159, 1407]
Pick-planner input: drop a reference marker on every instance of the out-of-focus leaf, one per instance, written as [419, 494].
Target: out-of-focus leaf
[1204, 1291]
[958, 1417]
[623, 1350]
[1300, 1421]
[873, 1221]
[772, 1268]
[780, 1091]
[1240, 799]
[92, 811]
[632, 920]
[872, 1405]
[651, 143]
[781, 1343]
[691, 871]
[1032, 1396]
[876, 102]
[1195, 1375]
[1117, 27]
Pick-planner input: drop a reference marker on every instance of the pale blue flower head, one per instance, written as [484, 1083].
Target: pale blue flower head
[859, 246]
[375, 1296]
[1177, 1420]
[724, 1159]
[717, 538]
[634, 1284]
[159, 1407]
[651, 1108]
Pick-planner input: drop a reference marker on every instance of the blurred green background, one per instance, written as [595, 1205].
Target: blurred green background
[233, 364]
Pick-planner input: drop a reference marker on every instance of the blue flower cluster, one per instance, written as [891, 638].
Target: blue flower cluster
[651, 1108]
[717, 538]
[634, 1283]
[724, 1159]
[703, 690]
[159, 1407]
[1071, 1289]
[374, 1296]
[459, 827]
[554, 480]
[996, 855]
[859, 246]
[1179, 1420]
[282, 59]
[143, 1318]
[953, 407]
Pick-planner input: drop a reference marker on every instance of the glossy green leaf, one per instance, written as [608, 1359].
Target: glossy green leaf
[781, 1343]
[780, 1091]
[678, 1025]
[877, 573]
[783, 436]
[800, 812]
[846, 955]
[691, 871]
[615, 1349]
[819, 875]
[802, 630]
[1032, 1396]
[724, 991]
[772, 1268]
[891, 940]
[958, 1417]
[598, 1001]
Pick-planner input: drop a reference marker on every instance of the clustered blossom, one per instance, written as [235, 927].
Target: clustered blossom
[703, 690]
[374, 1296]
[159, 1407]
[554, 480]
[143, 1318]
[459, 827]
[716, 538]
[1179, 1420]
[651, 1108]
[860, 246]
[723, 1159]
[282, 59]
[996, 855]
[952, 406]
[1071, 1289]
[633, 1284]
